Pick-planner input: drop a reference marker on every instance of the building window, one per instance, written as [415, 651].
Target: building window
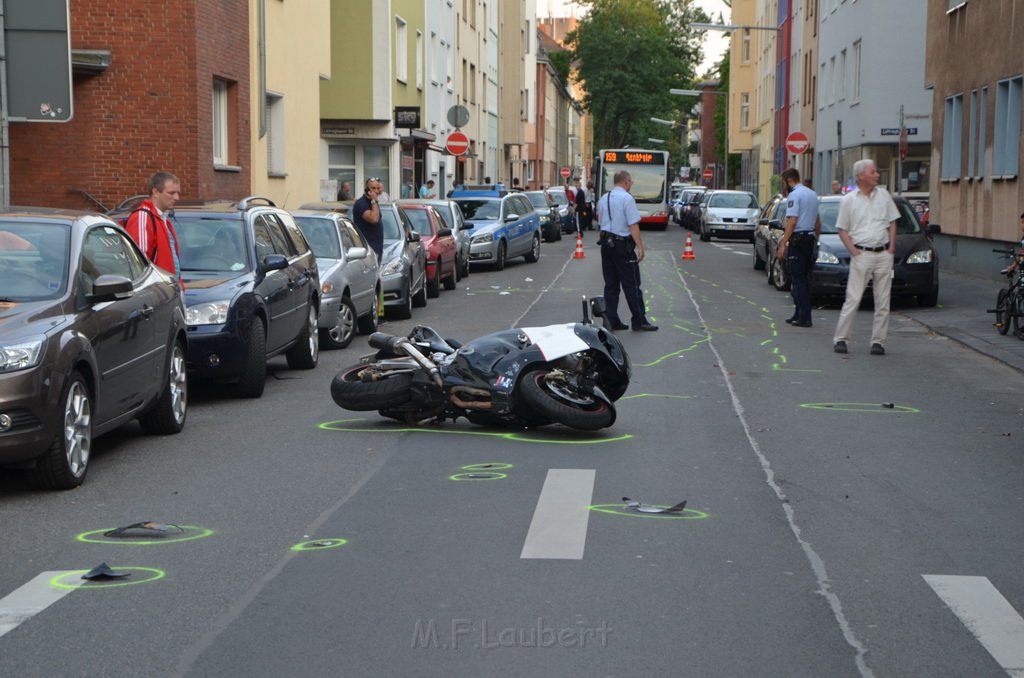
[220, 122]
[952, 136]
[972, 132]
[832, 80]
[856, 72]
[275, 134]
[982, 133]
[341, 165]
[375, 164]
[419, 59]
[745, 47]
[744, 110]
[1006, 140]
[842, 75]
[401, 50]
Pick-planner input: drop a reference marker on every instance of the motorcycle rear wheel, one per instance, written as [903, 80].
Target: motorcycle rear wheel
[351, 393]
[556, 401]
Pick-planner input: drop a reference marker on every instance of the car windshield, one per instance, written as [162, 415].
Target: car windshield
[559, 197]
[480, 210]
[420, 221]
[733, 200]
[389, 223]
[211, 243]
[537, 200]
[907, 224]
[322, 235]
[33, 260]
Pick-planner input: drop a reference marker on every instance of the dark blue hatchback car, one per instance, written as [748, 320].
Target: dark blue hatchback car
[252, 291]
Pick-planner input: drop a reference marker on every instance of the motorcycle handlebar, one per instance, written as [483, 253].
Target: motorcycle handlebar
[382, 341]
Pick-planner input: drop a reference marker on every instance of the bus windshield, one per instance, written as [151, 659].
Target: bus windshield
[648, 181]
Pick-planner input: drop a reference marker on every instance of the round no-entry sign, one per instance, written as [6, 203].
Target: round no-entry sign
[565, 172]
[457, 144]
[709, 173]
[797, 142]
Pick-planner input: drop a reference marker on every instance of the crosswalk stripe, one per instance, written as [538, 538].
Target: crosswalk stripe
[986, 614]
[30, 599]
[559, 526]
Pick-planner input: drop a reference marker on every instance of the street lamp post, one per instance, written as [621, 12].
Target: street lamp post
[700, 92]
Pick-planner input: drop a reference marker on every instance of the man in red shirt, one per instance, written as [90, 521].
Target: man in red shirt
[150, 226]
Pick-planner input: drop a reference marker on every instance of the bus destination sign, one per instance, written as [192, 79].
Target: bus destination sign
[634, 157]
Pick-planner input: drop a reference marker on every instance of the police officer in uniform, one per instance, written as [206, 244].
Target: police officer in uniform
[797, 244]
[622, 250]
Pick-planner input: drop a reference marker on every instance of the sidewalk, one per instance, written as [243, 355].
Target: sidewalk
[961, 315]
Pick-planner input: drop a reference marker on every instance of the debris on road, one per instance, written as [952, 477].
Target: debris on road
[104, 571]
[144, 530]
[647, 508]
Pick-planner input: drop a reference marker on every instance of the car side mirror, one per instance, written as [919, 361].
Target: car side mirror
[776, 224]
[934, 229]
[275, 262]
[110, 287]
[511, 217]
[444, 233]
[414, 236]
[355, 253]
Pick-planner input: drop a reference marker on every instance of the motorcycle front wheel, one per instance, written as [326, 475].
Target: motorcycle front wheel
[352, 393]
[558, 401]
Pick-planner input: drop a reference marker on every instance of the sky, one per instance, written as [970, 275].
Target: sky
[715, 42]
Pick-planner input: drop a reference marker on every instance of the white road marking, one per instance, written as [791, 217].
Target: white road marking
[559, 526]
[986, 614]
[30, 599]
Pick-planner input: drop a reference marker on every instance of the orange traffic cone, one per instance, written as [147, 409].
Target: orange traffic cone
[579, 247]
[688, 251]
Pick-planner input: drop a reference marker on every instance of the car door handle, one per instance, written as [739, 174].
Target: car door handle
[147, 311]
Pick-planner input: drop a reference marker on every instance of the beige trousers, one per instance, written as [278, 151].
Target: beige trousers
[876, 267]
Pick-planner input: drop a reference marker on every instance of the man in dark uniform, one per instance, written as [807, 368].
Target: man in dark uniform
[796, 247]
[622, 250]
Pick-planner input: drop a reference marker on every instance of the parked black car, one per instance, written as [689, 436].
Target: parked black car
[252, 291]
[91, 336]
[550, 219]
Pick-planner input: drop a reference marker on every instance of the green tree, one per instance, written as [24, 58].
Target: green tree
[628, 54]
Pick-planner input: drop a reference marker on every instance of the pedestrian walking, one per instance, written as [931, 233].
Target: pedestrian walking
[150, 227]
[622, 250]
[584, 210]
[796, 247]
[867, 227]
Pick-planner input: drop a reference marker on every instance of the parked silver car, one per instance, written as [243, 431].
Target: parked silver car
[403, 268]
[349, 276]
[730, 214]
[452, 215]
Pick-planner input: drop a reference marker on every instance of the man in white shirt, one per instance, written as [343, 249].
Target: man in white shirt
[867, 226]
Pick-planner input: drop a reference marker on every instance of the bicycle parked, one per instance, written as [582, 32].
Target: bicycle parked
[1009, 308]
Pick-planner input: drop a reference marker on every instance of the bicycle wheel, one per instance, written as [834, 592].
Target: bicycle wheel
[1003, 311]
[1017, 318]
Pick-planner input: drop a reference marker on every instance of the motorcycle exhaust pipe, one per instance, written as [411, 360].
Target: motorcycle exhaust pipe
[471, 404]
[401, 345]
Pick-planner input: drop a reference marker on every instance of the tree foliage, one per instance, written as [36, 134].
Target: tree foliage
[628, 54]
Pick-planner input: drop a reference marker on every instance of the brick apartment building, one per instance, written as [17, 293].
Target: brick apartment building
[144, 100]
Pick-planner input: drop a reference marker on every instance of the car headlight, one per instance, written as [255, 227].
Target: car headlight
[328, 286]
[712, 216]
[544, 220]
[22, 355]
[920, 257]
[482, 238]
[208, 313]
[392, 267]
[826, 257]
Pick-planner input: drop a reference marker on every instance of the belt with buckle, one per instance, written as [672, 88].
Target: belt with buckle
[616, 238]
[880, 248]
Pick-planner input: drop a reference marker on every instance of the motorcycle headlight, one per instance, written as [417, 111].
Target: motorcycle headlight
[392, 267]
[22, 355]
[920, 257]
[208, 313]
[482, 238]
[826, 257]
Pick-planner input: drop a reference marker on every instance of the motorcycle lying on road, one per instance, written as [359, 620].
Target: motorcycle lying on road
[569, 374]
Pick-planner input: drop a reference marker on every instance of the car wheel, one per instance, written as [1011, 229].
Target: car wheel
[368, 323]
[344, 329]
[534, 254]
[759, 263]
[419, 300]
[450, 281]
[64, 465]
[304, 355]
[929, 300]
[778, 276]
[167, 416]
[705, 235]
[465, 266]
[254, 369]
[499, 259]
[404, 312]
[434, 284]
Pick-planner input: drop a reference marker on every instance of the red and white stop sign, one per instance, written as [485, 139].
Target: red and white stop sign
[709, 173]
[457, 144]
[565, 172]
[797, 142]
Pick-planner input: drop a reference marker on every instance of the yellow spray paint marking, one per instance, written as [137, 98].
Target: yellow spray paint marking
[62, 581]
[337, 425]
[653, 395]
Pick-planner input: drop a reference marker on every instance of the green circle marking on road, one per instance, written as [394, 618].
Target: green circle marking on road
[620, 510]
[319, 544]
[497, 466]
[60, 581]
[339, 425]
[861, 407]
[192, 532]
[478, 476]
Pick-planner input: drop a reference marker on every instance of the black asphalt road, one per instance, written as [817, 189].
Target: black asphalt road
[813, 509]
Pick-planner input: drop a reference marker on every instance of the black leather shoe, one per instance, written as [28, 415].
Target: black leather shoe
[839, 347]
[790, 321]
[646, 327]
[877, 349]
[801, 323]
[619, 326]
